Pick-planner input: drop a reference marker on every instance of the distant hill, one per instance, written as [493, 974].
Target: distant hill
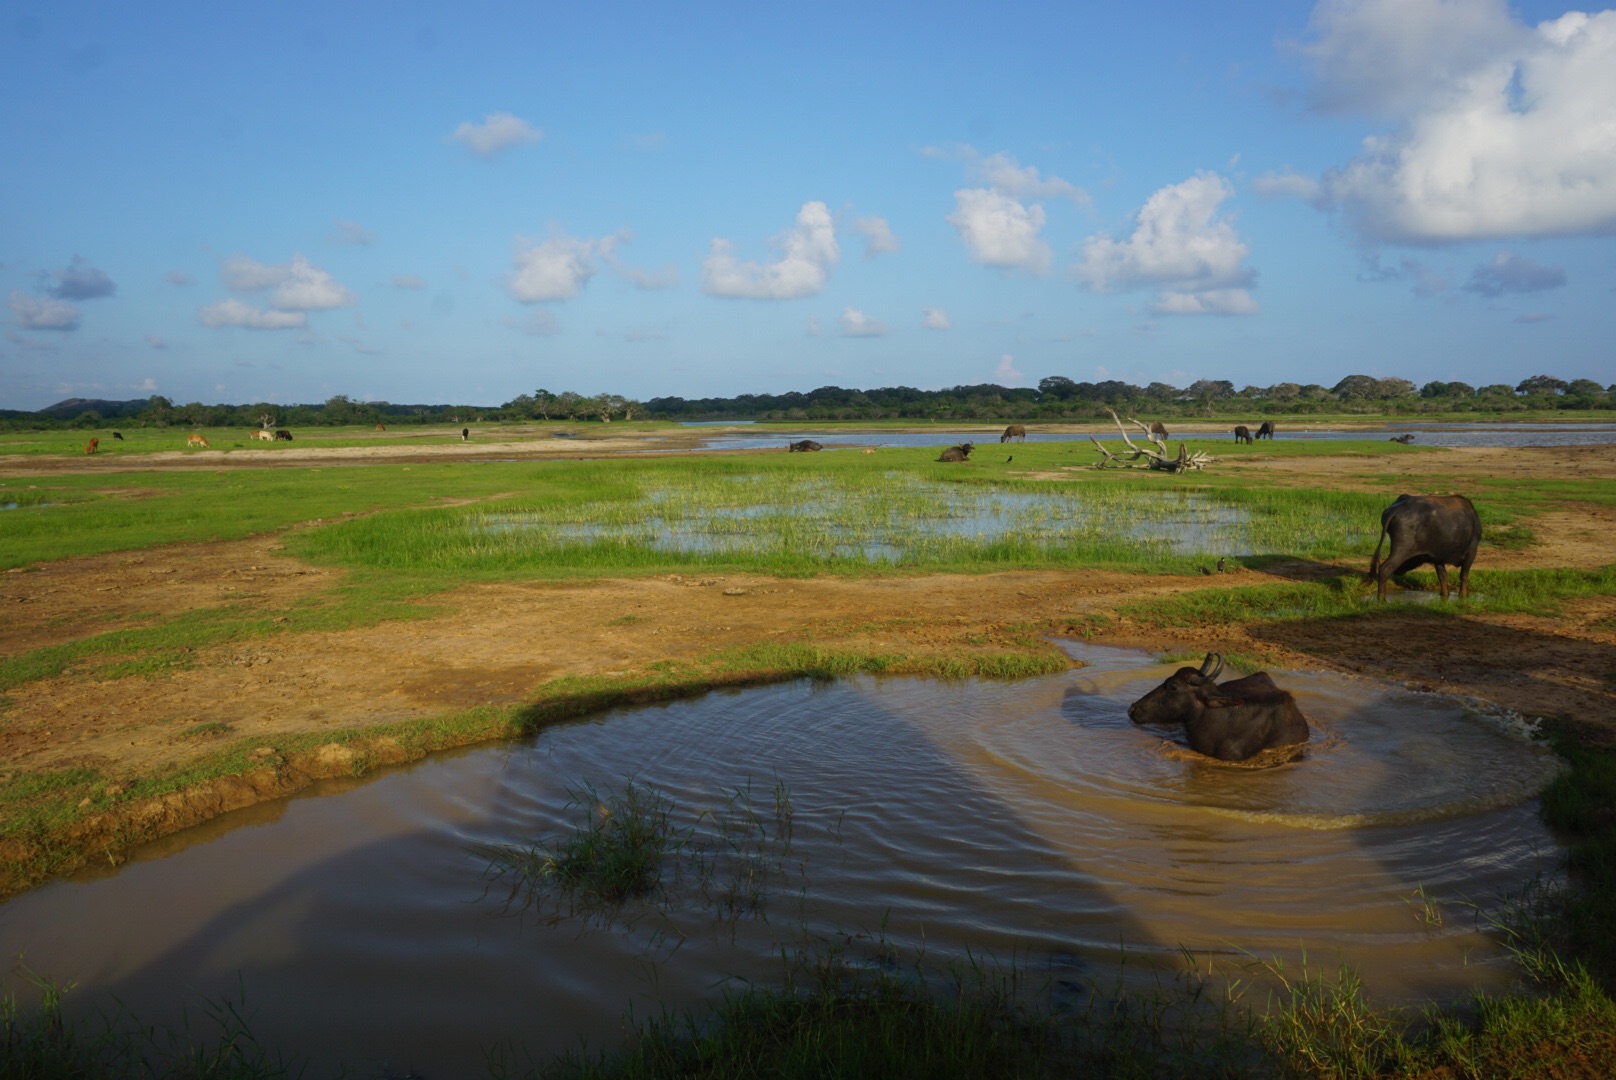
[73, 406]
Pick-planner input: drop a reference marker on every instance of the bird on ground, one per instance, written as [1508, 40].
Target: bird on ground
[1009, 459]
[1221, 567]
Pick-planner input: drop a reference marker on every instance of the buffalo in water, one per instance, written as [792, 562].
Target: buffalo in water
[1266, 431]
[1444, 530]
[1405, 439]
[957, 453]
[1014, 431]
[1231, 722]
[1242, 434]
[802, 447]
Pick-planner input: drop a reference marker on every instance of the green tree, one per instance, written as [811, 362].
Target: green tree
[1541, 384]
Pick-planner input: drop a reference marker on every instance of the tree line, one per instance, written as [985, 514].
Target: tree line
[1054, 398]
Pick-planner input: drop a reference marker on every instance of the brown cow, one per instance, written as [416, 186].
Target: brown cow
[1014, 431]
[262, 436]
[91, 447]
[381, 427]
[1157, 429]
[195, 439]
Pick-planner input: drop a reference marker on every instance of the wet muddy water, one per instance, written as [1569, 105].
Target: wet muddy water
[1027, 821]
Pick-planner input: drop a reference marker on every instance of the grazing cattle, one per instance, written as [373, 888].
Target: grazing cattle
[465, 434]
[1014, 431]
[381, 427]
[193, 439]
[1158, 430]
[282, 435]
[803, 446]
[264, 436]
[91, 446]
[1231, 722]
[957, 453]
[868, 450]
[1444, 530]
[118, 435]
[1266, 431]
[1404, 439]
[1242, 434]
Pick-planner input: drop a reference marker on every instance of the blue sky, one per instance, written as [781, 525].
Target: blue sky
[436, 203]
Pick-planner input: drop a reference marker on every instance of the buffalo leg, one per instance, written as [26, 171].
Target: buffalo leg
[1442, 579]
[1464, 577]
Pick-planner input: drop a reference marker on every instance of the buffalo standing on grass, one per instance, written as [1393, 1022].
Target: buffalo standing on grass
[1232, 722]
[1014, 431]
[1242, 434]
[282, 435]
[1443, 530]
[1266, 431]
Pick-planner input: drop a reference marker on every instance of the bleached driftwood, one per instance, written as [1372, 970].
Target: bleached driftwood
[1154, 459]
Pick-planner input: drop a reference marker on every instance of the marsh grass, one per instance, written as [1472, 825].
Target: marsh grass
[625, 854]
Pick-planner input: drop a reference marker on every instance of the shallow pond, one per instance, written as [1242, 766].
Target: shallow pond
[1025, 821]
[1425, 434]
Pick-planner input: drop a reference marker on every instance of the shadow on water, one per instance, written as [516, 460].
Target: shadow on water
[1026, 821]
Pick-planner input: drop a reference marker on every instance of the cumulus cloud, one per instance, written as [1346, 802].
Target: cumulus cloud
[857, 324]
[1006, 374]
[665, 278]
[298, 285]
[179, 278]
[1182, 246]
[553, 269]
[1508, 273]
[351, 233]
[498, 132]
[41, 312]
[808, 251]
[81, 281]
[1503, 130]
[233, 312]
[935, 318]
[878, 238]
[1000, 231]
[1004, 174]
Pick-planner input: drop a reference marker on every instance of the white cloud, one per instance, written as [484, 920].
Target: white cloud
[935, 318]
[148, 384]
[295, 286]
[1509, 273]
[665, 278]
[408, 281]
[857, 324]
[1004, 174]
[1505, 130]
[233, 312]
[553, 269]
[1182, 246]
[351, 233]
[878, 238]
[1006, 374]
[498, 132]
[1287, 185]
[999, 231]
[41, 312]
[808, 251]
[81, 281]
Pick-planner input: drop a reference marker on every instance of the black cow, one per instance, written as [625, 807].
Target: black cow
[1266, 431]
[1231, 722]
[1242, 434]
[282, 435]
[803, 446]
[1014, 431]
[118, 435]
[1440, 529]
[957, 453]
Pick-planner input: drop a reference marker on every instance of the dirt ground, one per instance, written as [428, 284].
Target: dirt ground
[496, 642]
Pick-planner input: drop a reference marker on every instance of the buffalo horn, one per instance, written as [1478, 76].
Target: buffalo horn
[1209, 669]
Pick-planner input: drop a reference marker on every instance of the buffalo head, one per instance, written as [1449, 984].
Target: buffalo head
[1175, 701]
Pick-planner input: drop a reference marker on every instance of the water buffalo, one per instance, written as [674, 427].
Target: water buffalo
[465, 434]
[1158, 429]
[118, 435]
[1266, 431]
[282, 435]
[803, 446]
[1405, 439]
[957, 453]
[1440, 529]
[1242, 434]
[1231, 722]
[1014, 431]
